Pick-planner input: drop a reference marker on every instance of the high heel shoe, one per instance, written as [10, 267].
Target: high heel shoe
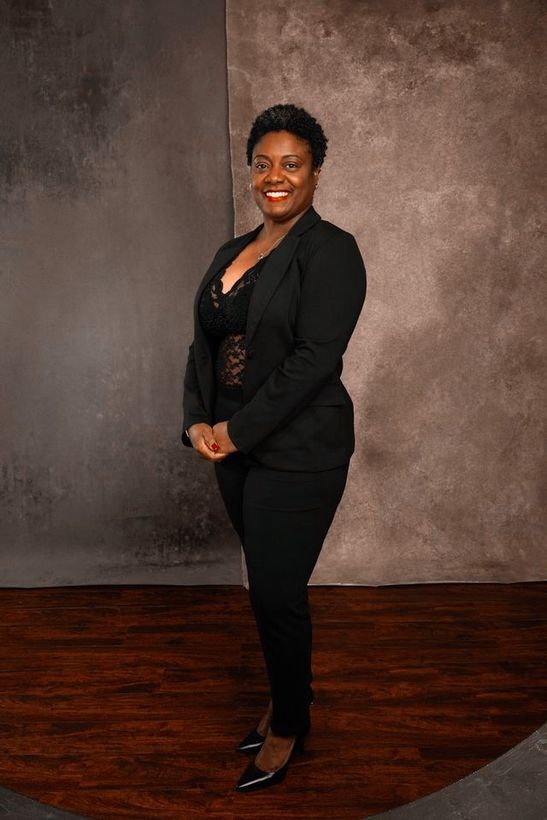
[254, 777]
[253, 741]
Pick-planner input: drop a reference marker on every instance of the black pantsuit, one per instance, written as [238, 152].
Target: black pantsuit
[282, 518]
[291, 419]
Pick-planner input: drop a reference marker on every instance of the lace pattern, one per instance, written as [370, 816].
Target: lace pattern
[224, 317]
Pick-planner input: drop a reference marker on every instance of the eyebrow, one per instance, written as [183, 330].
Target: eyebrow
[283, 157]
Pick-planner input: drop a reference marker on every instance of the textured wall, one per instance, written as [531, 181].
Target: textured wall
[433, 111]
[114, 164]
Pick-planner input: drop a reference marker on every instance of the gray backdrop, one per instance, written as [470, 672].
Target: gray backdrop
[115, 191]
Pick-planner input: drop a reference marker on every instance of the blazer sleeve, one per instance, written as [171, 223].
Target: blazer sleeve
[331, 299]
[193, 409]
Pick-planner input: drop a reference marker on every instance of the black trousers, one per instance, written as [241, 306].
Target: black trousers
[282, 518]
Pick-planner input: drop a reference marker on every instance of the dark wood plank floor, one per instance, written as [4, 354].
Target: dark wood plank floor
[127, 701]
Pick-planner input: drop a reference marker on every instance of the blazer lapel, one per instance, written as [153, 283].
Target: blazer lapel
[274, 269]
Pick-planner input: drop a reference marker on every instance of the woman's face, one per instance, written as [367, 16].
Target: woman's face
[282, 162]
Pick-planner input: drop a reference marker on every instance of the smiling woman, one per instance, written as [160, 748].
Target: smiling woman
[283, 176]
[263, 401]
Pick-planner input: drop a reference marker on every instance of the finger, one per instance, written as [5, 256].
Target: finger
[210, 441]
[209, 455]
[214, 459]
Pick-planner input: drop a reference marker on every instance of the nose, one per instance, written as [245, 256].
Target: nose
[275, 174]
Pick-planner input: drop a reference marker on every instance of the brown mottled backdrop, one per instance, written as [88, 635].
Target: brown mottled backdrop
[434, 113]
[115, 190]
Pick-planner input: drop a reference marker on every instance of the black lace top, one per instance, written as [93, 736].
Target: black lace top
[224, 316]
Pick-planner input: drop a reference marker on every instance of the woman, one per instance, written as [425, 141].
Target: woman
[264, 402]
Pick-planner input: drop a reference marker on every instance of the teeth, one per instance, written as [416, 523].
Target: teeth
[277, 194]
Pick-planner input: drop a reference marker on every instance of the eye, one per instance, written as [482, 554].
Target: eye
[260, 165]
[294, 164]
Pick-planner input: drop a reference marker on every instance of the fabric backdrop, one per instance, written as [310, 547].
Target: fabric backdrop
[115, 189]
[123, 127]
[433, 113]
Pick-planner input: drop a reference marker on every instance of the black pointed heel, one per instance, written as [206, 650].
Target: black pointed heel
[254, 740]
[254, 778]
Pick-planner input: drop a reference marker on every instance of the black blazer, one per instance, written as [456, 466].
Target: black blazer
[303, 309]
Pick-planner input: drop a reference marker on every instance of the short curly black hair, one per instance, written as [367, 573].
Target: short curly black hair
[288, 117]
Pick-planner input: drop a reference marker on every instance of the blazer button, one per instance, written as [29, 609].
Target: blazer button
[250, 352]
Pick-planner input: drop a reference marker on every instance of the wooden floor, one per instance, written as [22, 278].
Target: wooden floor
[128, 701]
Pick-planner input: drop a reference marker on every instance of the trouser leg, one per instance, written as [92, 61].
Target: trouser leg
[282, 518]
[286, 516]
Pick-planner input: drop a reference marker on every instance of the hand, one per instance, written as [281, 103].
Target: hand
[220, 432]
[203, 438]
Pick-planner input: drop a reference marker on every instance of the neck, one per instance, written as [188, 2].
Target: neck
[273, 229]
